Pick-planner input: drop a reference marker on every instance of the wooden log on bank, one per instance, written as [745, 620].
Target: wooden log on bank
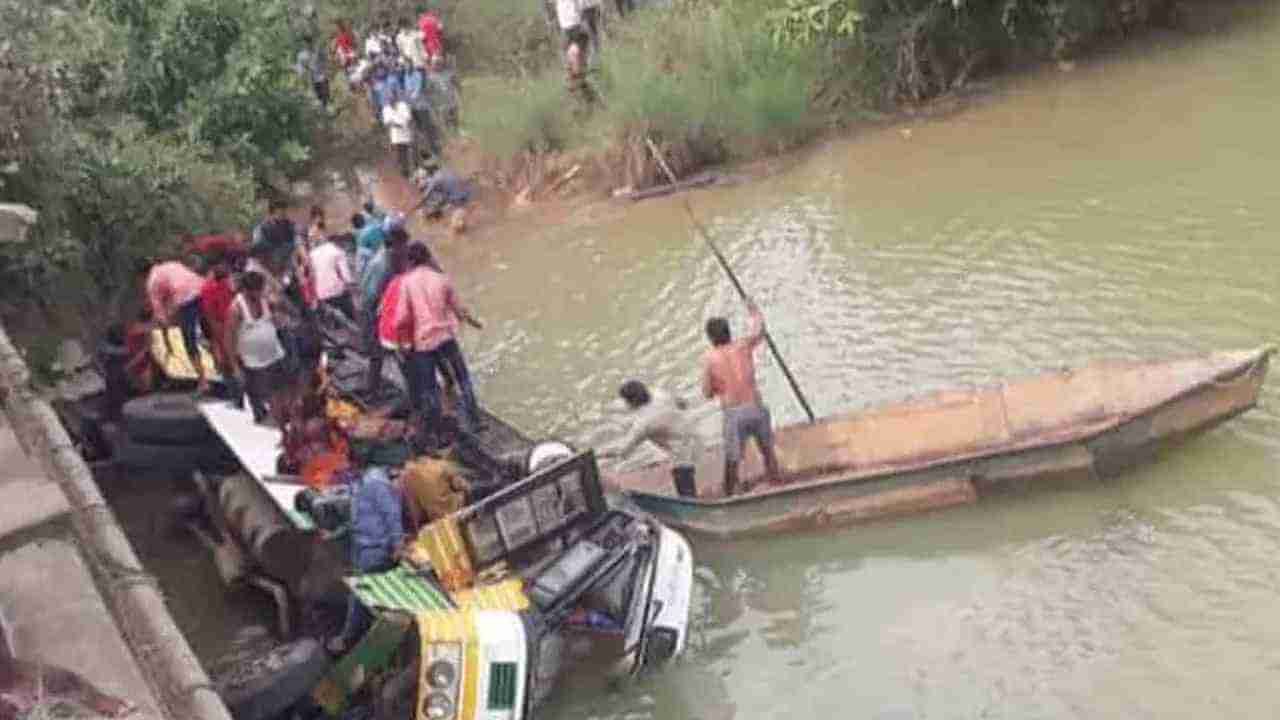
[696, 181]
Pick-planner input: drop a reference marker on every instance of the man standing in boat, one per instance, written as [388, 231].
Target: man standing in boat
[729, 373]
[665, 421]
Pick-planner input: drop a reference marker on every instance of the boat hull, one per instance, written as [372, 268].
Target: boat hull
[1089, 449]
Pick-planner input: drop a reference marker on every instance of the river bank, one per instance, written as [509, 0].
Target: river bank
[710, 88]
[544, 188]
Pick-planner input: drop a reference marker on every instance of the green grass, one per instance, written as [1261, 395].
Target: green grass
[509, 117]
[707, 81]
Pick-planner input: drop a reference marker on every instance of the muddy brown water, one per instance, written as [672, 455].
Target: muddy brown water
[1126, 209]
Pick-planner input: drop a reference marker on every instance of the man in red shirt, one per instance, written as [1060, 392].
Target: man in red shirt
[428, 311]
[432, 35]
[215, 302]
[344, 45]
[729, 373]
[227, 248]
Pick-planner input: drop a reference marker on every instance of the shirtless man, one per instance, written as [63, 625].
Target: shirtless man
[729, 373]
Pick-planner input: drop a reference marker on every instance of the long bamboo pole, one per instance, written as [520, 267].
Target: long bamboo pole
[733, 278]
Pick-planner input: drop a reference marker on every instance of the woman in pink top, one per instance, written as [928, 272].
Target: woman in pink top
[428, 311]
[173, 291]
[729, 373]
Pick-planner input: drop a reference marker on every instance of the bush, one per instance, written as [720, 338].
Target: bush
[531, 116]
[128, 124]
[701, 81]
[121, 195]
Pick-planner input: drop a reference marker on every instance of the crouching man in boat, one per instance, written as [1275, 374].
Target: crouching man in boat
[729, 373]
[377, 542]
[666, 422]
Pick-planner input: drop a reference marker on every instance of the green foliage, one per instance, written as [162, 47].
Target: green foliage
[498, 36]
[707, 76]
[806, 23]
[132, 123]
[701, 79]
[122, 194]
[180, 46]
[533, 115]
[255, 110]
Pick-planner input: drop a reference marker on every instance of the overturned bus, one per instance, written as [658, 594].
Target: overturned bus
[498, 600]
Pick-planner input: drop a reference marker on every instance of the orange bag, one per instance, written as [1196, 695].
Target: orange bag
[320, 470]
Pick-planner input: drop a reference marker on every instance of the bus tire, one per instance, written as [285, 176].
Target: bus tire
[166, 419]
[280, 679]
[135, 454]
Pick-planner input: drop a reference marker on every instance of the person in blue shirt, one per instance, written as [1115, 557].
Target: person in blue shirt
[441, 190]
[371, 234]
[377, 540]
[373, 283]
[372, 213]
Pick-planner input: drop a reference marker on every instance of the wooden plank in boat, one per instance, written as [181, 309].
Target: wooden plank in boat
[1051, 404]
[954, 424]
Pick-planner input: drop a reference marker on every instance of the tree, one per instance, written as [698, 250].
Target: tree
[127, 124]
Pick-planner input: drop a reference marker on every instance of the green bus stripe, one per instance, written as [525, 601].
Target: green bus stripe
[400, 590]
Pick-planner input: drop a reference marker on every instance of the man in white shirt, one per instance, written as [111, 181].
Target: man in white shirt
[568, 13]
[333, 278]
[398, 118]
[409, 40]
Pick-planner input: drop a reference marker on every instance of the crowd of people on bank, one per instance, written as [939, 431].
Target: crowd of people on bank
[402, 70]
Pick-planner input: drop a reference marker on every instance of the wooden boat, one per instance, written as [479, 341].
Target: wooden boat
[954, 447]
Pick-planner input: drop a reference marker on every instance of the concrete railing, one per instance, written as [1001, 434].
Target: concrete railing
[130, 591]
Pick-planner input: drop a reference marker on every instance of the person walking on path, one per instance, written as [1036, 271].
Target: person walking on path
[344, 44]
[313, 68]
[432, 34]
[398, 117]
[591, 17]
[333, 277]
[428, 311]
[257, 355]
[412, 48]
[729, 374]
[665, 421]
[173, 291]
[577, 56]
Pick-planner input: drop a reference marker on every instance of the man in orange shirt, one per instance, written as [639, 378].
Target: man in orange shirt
[729, 373]
[428, 311]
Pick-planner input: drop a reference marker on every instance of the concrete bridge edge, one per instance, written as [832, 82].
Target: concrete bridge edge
[132, 594]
